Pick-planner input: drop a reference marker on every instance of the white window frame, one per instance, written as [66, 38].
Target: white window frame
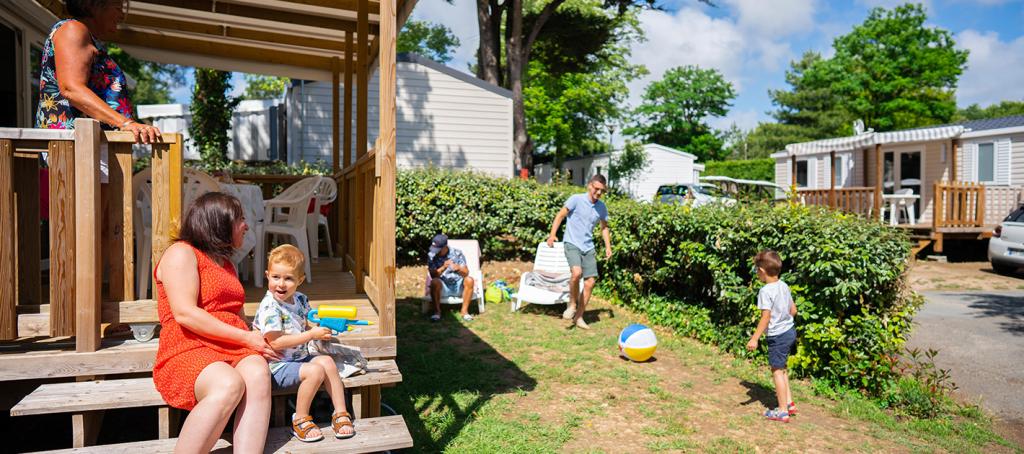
[977, 162]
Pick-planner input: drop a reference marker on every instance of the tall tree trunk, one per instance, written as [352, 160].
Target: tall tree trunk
[488, 50]
[514, 55]
[495, 40]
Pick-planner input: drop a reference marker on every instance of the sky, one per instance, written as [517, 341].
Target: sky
[752, 42]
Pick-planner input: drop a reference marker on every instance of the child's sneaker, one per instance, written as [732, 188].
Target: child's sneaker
[791, 409]
[777, 415]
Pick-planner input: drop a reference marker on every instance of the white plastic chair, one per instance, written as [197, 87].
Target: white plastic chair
[252, 206]
[194, 183]
[471, 250]
[286, 214]
[552, 260]
[326, 192]
[906, 206]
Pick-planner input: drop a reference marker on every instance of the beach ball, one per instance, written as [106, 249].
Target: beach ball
[637, 342]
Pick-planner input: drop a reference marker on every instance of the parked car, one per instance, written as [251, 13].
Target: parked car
[1006, 247]
[696, 194]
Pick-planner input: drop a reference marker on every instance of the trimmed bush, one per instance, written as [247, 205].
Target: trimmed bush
[749, 169]
[692, 270]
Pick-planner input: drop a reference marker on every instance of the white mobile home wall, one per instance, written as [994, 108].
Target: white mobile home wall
[250, 128]
[445, 118]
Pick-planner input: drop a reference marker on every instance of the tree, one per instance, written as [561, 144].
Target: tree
[153, 81]
[576, 87]
[434, 41]
[674, 110]
[627, 164]
[1003, 109]
[811, 106]
[517, 47]
[258, 86]
[211, 110]
[894, 72]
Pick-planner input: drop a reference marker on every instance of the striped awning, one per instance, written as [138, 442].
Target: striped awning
[869, 139]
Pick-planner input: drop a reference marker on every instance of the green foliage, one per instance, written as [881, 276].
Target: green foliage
[434, 41]
[749, 169]
[153, 81]
[675, 108]
[1003, 109]
[626, 165]
[259, 86]
[894, 72]
[508, 216]
[690, 269]
[811, 109]
[211, 110]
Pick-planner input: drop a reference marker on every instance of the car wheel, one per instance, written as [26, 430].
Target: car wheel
[1004, 269]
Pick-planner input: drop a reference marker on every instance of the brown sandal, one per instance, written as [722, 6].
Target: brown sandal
[337, 423]
[302, 427]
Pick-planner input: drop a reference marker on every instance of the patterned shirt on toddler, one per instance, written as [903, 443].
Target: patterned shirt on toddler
[288, 318]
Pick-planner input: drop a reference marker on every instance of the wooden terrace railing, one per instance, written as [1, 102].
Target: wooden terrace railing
[90, 226]
[857, 200]
[958, 205]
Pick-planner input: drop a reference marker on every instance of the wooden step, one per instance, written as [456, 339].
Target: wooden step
[56, 360]
[77, 397]
[372, 435]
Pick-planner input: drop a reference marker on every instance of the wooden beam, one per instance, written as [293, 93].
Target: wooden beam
[166, 181]
[256, 12]
[362, 74]
[28, 244]
[219, 32]
[88, 268]
[792, 172]
[122, 260]
[954, 147]
[8, 261]
[878, 181]
[384, 225]
[335, 117]
[348, 5]
[832, 179]
[349, 69]
[61, 161]
[218, 49]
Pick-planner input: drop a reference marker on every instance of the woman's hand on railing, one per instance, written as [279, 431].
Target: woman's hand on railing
[143, 133]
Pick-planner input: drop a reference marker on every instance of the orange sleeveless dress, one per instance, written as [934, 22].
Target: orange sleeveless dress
[183, 354]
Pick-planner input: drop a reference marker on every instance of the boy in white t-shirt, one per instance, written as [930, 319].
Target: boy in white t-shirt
[777, 312]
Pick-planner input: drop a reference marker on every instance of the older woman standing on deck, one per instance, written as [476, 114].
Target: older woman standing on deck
[79, 79]
[209, 361]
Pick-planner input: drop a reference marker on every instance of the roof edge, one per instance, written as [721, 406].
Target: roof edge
[412, 57]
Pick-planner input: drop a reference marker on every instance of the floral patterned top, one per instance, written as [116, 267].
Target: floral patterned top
[287, 318]
[105, 79]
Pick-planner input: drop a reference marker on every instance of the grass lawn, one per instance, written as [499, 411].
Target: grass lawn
[524, 382]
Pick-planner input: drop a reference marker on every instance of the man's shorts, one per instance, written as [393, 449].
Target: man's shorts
[452, 288]
[780, 347]
[587, 261]
[287, 376]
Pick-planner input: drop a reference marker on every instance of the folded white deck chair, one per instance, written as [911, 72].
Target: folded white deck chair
[470, 249]
[551, 261]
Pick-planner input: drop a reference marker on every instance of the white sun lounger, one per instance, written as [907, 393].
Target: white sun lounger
[550, 259]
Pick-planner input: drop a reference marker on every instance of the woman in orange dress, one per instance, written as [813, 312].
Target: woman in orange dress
[209, 361]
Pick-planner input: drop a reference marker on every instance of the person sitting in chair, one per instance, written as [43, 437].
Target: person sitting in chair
[449, 276]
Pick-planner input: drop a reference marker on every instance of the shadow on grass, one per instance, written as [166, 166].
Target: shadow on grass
[758, 393]
[555, 310]
[448, 374]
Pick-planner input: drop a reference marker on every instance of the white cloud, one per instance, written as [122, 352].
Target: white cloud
[995, 69]
[774, 18]
[460, 17]
[890, 4]
[745, 120]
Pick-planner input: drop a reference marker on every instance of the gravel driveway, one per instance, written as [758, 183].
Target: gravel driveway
[980, 338]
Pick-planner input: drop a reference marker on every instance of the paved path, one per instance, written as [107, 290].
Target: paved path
[980, 338]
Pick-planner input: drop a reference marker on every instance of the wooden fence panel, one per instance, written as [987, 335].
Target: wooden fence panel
[8, 261]
[62, 238]
[88, 242]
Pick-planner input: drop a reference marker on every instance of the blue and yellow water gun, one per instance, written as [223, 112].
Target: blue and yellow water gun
[339, 319]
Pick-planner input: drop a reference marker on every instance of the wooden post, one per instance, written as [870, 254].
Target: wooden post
[358, 222]
[344, 221]
[954, 145]
[123, 162]
[62, 237]
[166, 178]
[349, 69]
[878, 180]
[362, 75]
[85, 427]
[386, 162]
[88, 253]
[116, 251]
[335, 117]
[979, 219]
[865, 169]
[938, 212]
[832, 179]
[792, 172]
[8, 261]
[25, 174]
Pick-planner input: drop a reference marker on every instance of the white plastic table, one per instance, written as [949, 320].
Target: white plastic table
[894, 201]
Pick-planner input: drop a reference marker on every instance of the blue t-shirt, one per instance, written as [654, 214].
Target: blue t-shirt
[583, 217]
[449, 276]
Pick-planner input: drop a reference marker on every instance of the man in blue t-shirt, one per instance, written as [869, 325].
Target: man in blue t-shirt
[584, 212]
[449, 276]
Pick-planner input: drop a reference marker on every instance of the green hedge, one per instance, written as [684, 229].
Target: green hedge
[691, 270]
[749, 169]
[508, 216]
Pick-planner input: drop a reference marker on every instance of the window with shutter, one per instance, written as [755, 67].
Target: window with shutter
[986, 163]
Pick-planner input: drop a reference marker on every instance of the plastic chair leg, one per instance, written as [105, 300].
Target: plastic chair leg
[327, 236]
[303, 246]
[257, 259]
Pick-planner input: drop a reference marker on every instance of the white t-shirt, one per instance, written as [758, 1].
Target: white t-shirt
[776, 298]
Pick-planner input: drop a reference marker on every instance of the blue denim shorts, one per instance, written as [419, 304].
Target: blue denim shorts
[780, 347]
[288, 375]
[452, 288]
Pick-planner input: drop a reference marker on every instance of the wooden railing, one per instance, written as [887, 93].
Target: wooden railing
[90, 226]
[857, 200]
[958, 205]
